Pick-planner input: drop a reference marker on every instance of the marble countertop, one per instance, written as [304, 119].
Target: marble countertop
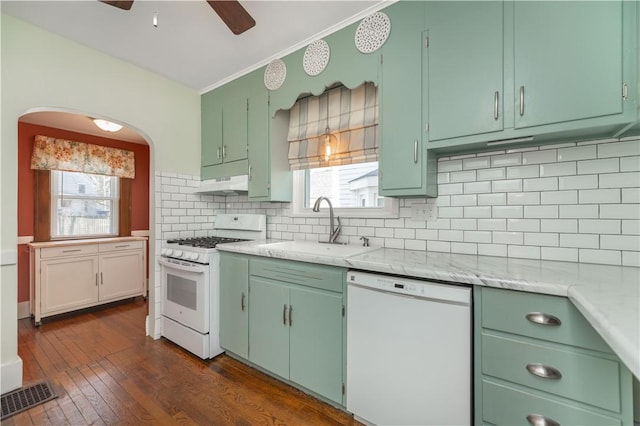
[607, 296]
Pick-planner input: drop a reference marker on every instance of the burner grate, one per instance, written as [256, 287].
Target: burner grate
[26, 398]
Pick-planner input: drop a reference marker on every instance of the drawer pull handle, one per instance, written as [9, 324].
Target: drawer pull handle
[242, 305]
[538, 420]
[71, 251]
[123, 246]
[290, 315]
[496, 105]
[544, 371]
[544, 319]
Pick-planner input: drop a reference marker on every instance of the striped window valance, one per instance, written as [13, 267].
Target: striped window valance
[61, 154]
[352, 118]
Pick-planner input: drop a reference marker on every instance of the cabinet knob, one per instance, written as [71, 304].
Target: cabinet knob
[539, 420]
[544, 371]
[543, 319]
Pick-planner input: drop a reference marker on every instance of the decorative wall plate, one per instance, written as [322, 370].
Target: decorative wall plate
[316, 57]
[274, 74]
[372, 32]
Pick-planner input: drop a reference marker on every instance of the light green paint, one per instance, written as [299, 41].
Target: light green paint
[43, 70]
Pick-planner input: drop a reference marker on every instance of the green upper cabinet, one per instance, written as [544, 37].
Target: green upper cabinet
[529, 71]
[568, 61]
[234, 303]
[465, 65]
[224, 131]
[404, 164]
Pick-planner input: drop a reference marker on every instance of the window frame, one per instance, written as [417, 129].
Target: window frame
[115, 198]
[390, 210]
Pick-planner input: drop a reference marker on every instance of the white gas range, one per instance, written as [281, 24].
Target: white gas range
[190, 270]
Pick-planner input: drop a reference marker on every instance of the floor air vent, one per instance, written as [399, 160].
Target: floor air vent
[25, 398]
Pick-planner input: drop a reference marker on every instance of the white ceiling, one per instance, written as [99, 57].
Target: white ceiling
[191, 44]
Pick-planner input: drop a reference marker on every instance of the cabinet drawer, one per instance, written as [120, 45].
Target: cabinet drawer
[121, 245]
[584, 378]
[504, 405]
[70, 250]
[508, 310]
[311, 275]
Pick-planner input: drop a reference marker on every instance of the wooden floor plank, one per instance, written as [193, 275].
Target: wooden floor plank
[106, 371]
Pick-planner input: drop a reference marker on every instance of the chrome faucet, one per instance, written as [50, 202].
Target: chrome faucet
[334, 231]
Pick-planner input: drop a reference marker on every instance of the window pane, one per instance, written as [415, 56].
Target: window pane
[348, 186]
[83, 204]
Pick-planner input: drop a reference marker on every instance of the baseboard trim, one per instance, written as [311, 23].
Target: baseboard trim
[11, 375]
[23, 310]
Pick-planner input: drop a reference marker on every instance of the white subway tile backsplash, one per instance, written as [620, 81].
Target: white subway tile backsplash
[607, 257]
[449, 166]
[619, 149]
[631, 227]
[558, 169]
[577, 153]
[559, 197]
[607, 165]
[503, 160]
[619, 211]
[450, 189]
[620, 180]
[579, 240]
[420, 245]
[494, 199]
[541, 184]
[509, 185]
[599, 196]
[463, 176]
[631, 195]
[547, 212]
[540, 157]
[477, 237]
[578, 182]
[541, 239]
[493, 224]
[464, 248]
[630, 164]
[523, 225]
[441, 246]
[491, 174]
[450, 235]
[631, 258]
[522, 198]
[450, 212]
[559, 254]
[525, 252]
[464, 200]
[476, 163]
[532, 171]
[477, 187]
[620, 242]
[492, 250]
[464, 224]
[500, 237]
[599, 226]
[559, 225]
[579, 211]
[507, 211]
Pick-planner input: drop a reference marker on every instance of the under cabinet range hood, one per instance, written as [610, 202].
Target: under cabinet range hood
[224, 186]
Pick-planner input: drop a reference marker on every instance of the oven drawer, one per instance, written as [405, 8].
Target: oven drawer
[517, 312]
[307, 274]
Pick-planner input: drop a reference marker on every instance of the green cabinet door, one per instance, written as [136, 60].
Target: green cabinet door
[269, 325]
[234, 304]
[258, 138]
[316, 341]
[234, 128]
[465, 68]
[401, 155]
[567, 61]
[211, 139]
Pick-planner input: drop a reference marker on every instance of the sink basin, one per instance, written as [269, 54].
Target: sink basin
[318, 249]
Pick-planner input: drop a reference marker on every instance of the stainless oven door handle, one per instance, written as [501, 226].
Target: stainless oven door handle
[193, 269]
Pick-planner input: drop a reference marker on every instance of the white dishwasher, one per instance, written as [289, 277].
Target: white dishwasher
[408, 351]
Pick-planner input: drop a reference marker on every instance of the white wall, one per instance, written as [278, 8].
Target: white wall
[43, 70]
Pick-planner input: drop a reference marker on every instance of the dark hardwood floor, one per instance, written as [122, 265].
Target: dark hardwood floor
[106, 371]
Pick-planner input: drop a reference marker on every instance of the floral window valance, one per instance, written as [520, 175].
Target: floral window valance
[60, 154]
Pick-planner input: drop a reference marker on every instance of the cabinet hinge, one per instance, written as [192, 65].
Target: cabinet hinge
[247, 104]
[343, 388]
[343, 310]
[426, 42]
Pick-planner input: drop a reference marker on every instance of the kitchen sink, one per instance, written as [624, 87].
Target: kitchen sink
[319, 249]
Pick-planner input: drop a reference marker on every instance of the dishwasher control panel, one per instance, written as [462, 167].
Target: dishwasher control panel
[411, 287]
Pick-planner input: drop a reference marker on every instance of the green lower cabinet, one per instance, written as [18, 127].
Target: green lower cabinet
[268, 326]
[234, 299]
[538, 360]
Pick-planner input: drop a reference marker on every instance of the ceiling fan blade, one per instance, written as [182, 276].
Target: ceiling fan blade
[233, 14]
[120, 4]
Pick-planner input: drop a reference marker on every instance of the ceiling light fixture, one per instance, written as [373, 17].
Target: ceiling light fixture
[107, 126]
[155, 19]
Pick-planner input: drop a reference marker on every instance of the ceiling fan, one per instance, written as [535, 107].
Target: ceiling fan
[231, 12]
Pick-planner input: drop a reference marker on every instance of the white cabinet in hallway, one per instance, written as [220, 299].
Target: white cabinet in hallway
[70, 275]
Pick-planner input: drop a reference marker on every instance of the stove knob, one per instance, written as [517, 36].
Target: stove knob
[193, 256]
[167, 252]
[177, 253]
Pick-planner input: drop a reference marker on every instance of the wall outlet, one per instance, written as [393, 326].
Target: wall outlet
[424, 211]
